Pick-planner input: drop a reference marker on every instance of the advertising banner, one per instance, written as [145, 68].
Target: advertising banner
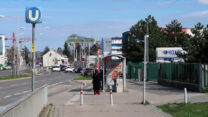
[113, 71]
[169, 52]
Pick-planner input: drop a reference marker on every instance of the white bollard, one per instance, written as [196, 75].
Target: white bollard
[81, 95]
[111, 96]
[185, 96]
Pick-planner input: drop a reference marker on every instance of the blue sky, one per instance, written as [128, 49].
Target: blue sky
[94, 18]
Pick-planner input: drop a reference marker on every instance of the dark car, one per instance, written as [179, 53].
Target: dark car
[87, 71]
[63, 67]
[78, 69]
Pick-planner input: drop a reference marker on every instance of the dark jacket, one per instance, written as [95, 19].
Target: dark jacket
[96, 81]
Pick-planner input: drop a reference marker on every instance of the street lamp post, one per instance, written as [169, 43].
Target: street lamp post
[146, 59]
[145, 67]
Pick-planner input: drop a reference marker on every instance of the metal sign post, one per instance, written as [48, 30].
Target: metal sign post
[33, 16]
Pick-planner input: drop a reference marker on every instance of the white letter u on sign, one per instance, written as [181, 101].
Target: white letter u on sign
[36, 15]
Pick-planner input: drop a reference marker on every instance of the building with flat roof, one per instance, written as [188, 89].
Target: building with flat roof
[2, 49]
[116, 46]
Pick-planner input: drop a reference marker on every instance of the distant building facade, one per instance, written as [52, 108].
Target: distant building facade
[2, 50]
[74, 40]
[53, 58]
[116, 46]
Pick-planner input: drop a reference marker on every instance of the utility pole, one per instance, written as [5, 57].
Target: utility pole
[14, 65]
[88, 61]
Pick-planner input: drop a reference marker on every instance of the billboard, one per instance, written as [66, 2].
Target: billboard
[169, 52]
[107, 46]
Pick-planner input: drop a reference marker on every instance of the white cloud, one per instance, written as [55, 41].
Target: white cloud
[197, 14]
[161, 4]
[203, 1]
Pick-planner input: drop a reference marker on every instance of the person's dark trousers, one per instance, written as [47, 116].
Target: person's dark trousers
[95, 92]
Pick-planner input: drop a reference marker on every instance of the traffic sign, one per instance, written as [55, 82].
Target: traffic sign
[33, 15]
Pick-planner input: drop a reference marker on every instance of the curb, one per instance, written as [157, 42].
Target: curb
[157, 110]
[16, 79]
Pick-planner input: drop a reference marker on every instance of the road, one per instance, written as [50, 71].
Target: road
[11, 91]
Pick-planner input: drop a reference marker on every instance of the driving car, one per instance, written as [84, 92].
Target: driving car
[56, 68]
[69, 69]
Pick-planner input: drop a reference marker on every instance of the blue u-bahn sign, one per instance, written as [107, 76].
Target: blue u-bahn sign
[33, 15]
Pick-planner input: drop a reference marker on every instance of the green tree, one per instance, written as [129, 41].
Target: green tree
[196, 46]
[26, 55]
[46, 49]
[66, 50]
[59, 50]
[94, 49]
[135, 47]
[174, 34]
[205, 34]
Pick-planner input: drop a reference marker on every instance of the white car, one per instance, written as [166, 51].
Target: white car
[9, 67]
[56, 68]
[69, 69]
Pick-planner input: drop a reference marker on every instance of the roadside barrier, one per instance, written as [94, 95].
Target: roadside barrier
[30, 106]
[111, 96]
[81, 95]
[185, 95]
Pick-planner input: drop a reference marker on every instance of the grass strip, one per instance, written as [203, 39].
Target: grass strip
[83, 78]
[205, 90]
[13, 77]
[186, 110]
[28, 71]
[50, 108]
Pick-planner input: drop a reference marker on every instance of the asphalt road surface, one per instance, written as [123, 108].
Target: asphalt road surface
[11, 91]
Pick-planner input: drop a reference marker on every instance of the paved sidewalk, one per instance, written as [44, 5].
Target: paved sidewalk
[125, 104]
[67, 104]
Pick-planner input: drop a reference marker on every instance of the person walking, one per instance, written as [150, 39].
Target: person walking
[96, 82]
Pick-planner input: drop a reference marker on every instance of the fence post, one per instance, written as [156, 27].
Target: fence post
[185, 95]
[111, 96]
[81, 95]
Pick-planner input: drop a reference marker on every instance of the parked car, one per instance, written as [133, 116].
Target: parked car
[1, 67]
[78, 69]
[63, 67]
[87, 71]
[69, 69]
[9, 67]
[56, 68]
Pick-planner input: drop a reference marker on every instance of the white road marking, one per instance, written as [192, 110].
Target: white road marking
[25, 91]
[56, 84]
[73, 100]
[7, 96]
[17, 93]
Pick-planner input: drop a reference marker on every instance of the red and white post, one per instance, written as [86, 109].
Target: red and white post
[111, 96]
[81, 95]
